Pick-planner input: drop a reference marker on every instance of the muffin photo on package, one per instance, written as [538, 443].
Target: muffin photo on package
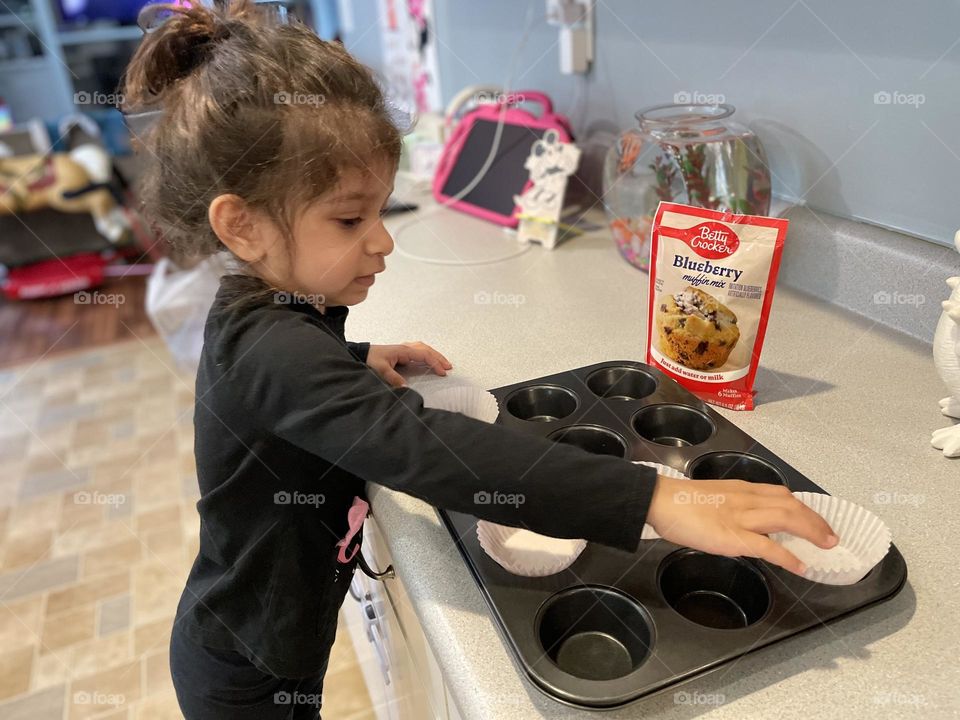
[695, 329]
[712, 276]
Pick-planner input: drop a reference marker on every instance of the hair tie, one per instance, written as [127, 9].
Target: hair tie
[154, 15]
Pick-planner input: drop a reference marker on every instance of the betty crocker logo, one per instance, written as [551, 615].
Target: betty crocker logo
[709, 239]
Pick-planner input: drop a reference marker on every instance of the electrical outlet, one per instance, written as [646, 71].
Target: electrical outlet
[575, 21]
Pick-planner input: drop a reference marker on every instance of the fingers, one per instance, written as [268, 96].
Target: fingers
[423, 353]
[768, 490]
[443, 360]
[446, 363]
[792, 516]
[795, 521]
[423, 346]
[391, 376]
[773, 508]
[762, 547]
[384, 368]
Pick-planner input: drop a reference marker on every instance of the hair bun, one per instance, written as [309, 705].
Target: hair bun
[179, 39]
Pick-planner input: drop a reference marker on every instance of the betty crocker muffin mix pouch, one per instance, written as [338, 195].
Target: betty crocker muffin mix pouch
[712, 276]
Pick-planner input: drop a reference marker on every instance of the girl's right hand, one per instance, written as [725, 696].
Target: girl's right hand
[733, 517]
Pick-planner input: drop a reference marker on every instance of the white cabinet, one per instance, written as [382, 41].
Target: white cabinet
[402, 675]
[452, 712]
[368, 643]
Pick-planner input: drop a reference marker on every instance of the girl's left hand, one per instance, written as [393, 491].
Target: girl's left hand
[384, 358]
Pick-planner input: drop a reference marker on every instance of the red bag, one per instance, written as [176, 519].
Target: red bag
[59, 276]
[712, 276]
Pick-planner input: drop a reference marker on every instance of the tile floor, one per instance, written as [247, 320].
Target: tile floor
[98, 529]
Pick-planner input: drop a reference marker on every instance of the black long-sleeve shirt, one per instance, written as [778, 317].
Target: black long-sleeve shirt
[290, 423]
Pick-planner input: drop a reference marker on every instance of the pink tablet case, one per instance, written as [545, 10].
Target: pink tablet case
[512, 116]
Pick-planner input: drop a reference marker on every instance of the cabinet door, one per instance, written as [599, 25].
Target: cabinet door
[408, 695]
[420, 653]
[452, 712]
[418, 690]
[375, 673]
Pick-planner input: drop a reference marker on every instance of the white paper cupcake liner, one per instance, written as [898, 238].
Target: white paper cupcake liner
[662, 469]
[466, 399]
[519, 551]
[864, 541]
[648, 532]
[522, 552]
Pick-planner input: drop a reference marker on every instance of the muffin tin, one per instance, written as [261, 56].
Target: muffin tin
[616, 626]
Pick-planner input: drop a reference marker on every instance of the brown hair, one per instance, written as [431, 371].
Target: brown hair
[267, 112]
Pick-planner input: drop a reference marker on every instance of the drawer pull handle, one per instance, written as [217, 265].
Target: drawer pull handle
[387, 574]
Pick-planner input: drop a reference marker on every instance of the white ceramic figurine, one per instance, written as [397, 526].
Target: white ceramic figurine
[551, 162]
[946, 356]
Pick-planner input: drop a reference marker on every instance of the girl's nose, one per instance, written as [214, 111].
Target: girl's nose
[379, 242]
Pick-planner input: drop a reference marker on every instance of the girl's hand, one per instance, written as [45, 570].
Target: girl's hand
[733, 517]
[384, 358]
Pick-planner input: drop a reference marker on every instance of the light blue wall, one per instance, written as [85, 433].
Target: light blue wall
[364, 39]
[802, 74]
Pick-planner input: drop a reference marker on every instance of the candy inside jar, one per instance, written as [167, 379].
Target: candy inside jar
[690, 154]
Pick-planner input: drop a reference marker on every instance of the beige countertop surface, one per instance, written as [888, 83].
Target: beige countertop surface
[847, 402]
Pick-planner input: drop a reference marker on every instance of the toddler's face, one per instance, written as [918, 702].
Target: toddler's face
[340, 241]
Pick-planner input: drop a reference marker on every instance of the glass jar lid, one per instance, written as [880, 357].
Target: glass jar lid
[687, 121]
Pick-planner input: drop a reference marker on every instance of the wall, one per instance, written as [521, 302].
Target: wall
[803, 74]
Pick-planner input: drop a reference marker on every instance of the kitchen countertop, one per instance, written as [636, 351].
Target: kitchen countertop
[847, 402]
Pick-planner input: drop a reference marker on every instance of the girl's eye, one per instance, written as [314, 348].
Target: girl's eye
[350, 222]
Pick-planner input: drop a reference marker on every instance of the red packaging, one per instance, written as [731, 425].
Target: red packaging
[712, 276]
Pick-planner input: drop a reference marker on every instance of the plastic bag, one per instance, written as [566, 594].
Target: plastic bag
[178, 302]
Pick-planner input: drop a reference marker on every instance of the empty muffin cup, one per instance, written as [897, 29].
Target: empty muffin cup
[541, 403]
[734, 466]
[621, 383]
[592, 438]
[714, 591]
[594, 633]
[674, 425]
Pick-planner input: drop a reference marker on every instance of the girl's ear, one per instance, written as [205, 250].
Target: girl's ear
[238, 227]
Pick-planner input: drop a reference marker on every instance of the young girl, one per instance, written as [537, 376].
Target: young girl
[279, 147]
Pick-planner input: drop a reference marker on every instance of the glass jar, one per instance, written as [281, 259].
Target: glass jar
[691, 154]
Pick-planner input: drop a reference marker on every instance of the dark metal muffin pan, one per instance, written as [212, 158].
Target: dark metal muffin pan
[615, 627]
